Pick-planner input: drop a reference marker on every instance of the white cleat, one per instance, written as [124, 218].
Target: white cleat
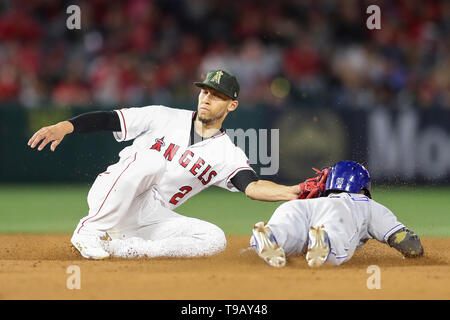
[89, 246]
[319, 247]
[265, 245]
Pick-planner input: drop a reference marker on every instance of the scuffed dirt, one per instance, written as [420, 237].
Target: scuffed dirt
[35, 267]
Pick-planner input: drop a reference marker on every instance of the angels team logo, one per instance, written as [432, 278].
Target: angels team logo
[216, 77]
[159, 142]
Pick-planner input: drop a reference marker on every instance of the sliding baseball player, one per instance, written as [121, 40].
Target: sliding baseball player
[334, 217]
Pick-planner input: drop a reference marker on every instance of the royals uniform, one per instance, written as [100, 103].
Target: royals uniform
[349, 219]
[134, 198]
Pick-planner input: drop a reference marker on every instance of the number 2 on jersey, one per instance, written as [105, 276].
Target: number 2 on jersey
[177, 196]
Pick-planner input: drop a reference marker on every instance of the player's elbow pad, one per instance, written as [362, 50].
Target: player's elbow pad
[407, 242]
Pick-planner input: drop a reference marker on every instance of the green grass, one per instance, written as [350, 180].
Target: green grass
[42, 208]
[58, 208]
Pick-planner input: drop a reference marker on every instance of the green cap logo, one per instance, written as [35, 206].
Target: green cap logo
[217, 76]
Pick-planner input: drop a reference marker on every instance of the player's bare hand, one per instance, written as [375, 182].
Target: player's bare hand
[54, 134]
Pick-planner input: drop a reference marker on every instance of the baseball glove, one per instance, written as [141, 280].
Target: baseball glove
[314, 187]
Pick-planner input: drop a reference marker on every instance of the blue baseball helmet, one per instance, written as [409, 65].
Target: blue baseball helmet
[348, 176]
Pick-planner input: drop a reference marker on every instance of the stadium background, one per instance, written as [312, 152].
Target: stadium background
[335, 90]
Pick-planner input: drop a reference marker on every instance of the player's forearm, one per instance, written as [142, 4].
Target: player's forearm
[66, 127]
[96, 121]
[84, 123]
[265, 190]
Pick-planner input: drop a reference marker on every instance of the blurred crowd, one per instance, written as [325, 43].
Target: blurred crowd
[285, 52]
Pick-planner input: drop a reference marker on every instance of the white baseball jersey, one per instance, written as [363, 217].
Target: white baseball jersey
[133, 199]
[349, 219]
[189, 169]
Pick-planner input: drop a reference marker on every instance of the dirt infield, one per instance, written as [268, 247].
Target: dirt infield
[35, 267]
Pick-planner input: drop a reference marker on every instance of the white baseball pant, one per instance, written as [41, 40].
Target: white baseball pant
[122, 202]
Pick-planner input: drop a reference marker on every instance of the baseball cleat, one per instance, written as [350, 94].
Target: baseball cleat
[89, 246]
[265, 245]
[318, 248]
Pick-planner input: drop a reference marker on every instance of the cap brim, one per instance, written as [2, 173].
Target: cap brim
[200, 84]
[203, 85]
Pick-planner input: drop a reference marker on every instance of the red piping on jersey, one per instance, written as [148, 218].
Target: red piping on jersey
[219, 135]
[82, 225]
[237, 170]
[124, 125]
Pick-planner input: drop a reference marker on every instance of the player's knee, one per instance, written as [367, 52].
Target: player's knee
[216, 238]
[407, 242]
[219, 238]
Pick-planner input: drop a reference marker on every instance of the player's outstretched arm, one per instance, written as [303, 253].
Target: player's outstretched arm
[54, 134]
[265, 190]
[83, 123]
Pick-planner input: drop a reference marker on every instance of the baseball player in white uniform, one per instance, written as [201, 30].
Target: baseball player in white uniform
[175, 155]
[332, 226]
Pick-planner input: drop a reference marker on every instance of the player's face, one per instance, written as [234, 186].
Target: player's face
[213, 105]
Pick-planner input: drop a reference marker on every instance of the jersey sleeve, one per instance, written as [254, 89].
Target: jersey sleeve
[137, 120]
[235, 162]
[383, 223]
